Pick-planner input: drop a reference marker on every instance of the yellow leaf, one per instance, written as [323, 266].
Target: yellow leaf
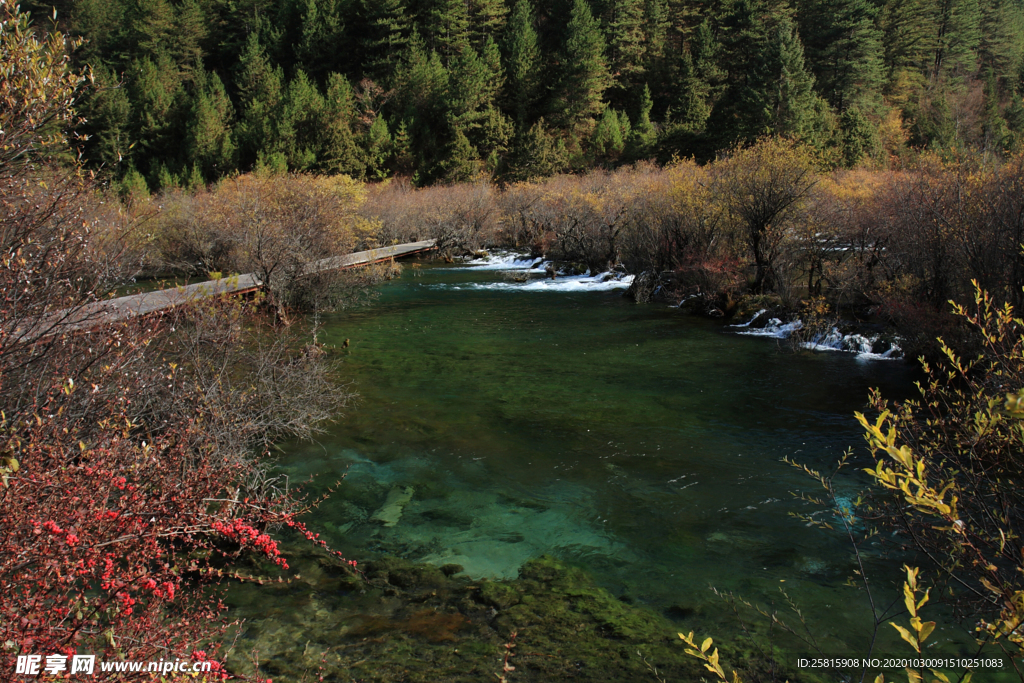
[705, 645]
[908, 600]
[925, 630]
[908, 636]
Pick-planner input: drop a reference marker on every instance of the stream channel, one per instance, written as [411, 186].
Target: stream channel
[500, 421]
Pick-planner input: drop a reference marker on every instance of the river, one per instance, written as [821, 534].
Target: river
[637, 442]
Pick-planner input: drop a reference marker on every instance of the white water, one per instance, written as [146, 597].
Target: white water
[604, 282]
[866, 348]
[504, 261]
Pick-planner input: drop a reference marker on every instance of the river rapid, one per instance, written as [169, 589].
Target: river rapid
[502, 420]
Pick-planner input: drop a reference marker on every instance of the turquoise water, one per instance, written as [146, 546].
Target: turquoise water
[499, 421]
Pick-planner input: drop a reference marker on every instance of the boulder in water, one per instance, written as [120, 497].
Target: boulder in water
[391, 511]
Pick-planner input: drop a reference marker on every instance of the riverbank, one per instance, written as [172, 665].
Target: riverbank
[403, 621]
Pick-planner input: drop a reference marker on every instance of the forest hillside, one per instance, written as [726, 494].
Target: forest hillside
[188, 91]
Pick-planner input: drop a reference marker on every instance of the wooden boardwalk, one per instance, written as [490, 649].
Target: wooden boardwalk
[146, 303]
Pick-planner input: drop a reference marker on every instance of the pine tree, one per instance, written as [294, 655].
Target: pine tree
[298, 133]
[607, 141]
[152, 29]
[108, 115]
[377, 146]
[957, 36]
[460, 163]
[641, 140]
[159, 108]
[387, 37]
[339, 151]
[627, 44]
[584, 72]
[322, 34]
[522, 62]
[658, 58]
[994, 129]
[261, 94]
[845, 50]
[471, 90]
[448, 28]
[487, 20]
[208, 140]
[692, 106]
[421, 87]
[1001, 45]
[533, 154]
[779, 98]
[908, 35]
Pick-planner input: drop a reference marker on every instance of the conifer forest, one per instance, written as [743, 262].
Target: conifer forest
[447, 90]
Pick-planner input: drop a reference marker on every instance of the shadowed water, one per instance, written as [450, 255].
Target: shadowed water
[500, 421]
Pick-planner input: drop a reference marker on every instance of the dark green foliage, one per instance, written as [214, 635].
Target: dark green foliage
[208, 133]
[387, 34]
[844, 46]
[188, 91]
[583, 75]
[522, 62]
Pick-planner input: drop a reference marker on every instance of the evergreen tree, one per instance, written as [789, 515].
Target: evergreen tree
[487, 20]
[460, 163]
[387, 37]
[957, 36]
[108, 116]
[534, 153]
[627, 44]
[584, 72]
[448, 28]
[608, 141]
[261, 92]
[377, 143]
[322, 37]
[522, 62]
[692, 106]
[994, 128]
[158, 101]
[298, 131]
[152, 31]
[779, 98]
[1001, 38]
[859, 137]
[208, 140]
[340, 152]
[843, 47]
[642, 138]
[422, 85]
[191, 30]
[908, 35]
[659, 57]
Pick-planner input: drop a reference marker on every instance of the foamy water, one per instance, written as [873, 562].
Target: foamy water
[866, 348]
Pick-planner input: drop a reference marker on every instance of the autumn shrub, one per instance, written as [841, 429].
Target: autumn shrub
[953, 459]
[460, 217]
[130, 469]
[766, 187]
[274, 226]
[678, 226]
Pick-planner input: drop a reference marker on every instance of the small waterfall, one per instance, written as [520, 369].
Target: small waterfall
[866, 348]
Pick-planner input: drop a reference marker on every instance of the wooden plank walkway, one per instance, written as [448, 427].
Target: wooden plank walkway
[134, 305]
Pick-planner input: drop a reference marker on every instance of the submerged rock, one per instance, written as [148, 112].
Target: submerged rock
[394, 504]
[412, 623]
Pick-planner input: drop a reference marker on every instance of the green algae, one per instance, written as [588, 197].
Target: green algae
[403, 621]
[410, 622]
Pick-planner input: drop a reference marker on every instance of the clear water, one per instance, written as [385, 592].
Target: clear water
[633, 440]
